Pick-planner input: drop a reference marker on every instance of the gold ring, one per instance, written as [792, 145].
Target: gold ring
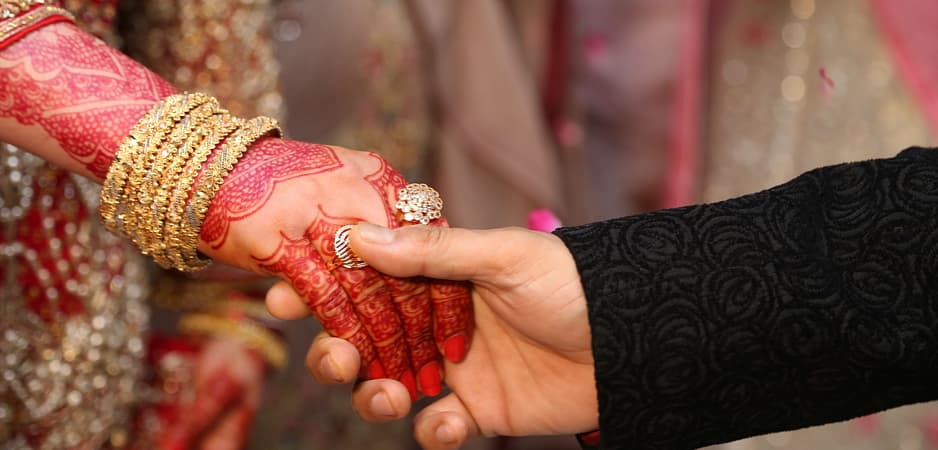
[344, 252]
[419, 203]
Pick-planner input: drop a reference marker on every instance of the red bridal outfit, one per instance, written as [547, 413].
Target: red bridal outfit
[78, 367]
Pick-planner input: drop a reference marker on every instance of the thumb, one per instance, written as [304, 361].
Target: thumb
[445, 424]
[436, 252]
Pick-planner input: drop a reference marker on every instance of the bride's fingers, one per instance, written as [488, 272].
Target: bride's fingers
[372, 301]
[379, 316]
[285, 303]
[380, 401]
[452, 318]
[332, 360]
[412, 299]
[444, 425]
[299, 263]
[452, 315]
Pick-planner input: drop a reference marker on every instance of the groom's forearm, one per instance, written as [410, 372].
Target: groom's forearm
[812, 302]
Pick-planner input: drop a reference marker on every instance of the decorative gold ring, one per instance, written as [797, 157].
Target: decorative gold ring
[344, 252]
[419, 203]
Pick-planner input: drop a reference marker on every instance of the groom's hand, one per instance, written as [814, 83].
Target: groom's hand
[530, 369]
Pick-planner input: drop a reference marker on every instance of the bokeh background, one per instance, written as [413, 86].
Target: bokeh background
[596, 109]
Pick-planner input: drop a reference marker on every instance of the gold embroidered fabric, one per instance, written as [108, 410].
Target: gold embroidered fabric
[72, 314]
[219, 47]
[392, 119]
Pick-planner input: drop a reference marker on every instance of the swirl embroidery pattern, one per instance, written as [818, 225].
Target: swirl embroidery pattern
[812, 302]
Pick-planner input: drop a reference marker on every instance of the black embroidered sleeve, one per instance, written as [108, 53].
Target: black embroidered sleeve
[811, 302]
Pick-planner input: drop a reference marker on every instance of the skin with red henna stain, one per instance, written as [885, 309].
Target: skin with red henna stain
[249, 188]
[386, 181]
[451, 315]
[373, 302]
[452, 305]
[411, 297]
[81, 93]
[412, 300]
[297, 261]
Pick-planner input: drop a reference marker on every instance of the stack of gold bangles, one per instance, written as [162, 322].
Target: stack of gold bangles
[168, 170]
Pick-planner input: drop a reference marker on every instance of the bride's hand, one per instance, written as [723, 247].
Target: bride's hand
[277, 213]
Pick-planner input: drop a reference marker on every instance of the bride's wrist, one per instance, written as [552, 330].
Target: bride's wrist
[166, 173]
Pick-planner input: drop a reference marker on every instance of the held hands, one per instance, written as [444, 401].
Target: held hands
[530, 368]
[277, 213]
[73, 101]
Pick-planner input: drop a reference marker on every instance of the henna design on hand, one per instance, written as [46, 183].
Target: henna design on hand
[368, 293]
[298, 262]
[250, 185]
[82, 93]
[386, 181]
[452, 318]
[411, 297]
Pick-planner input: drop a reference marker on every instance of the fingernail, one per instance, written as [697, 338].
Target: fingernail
[445, 434]
[429, 377]
[376, 370]
[455, 348]
[328, 368]
[375, 234]
[411, 383]
[381, 405]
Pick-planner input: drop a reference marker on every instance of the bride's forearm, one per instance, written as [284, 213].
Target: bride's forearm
[70, 99]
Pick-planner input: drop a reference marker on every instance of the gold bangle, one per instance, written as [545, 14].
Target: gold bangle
[153, 195]
[112, 190]
[254, 336]
[167, 171]
[179, 249]
[123, 185]
[177, 107]
[211, 179]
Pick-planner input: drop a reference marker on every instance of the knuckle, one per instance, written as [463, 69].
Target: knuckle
[431, 237]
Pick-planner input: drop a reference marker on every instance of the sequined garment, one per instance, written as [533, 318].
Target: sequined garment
[72, 314]
[219, 47]
[392, 117]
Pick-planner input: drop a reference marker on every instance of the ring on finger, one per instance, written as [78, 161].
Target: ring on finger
[419, 203]
[344, 252]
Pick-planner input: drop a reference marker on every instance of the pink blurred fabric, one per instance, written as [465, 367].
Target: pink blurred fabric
[680, 183]
[543, 220]
[911, 30]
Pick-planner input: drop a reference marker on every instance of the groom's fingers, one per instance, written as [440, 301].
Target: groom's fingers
[285, 303]
[381, 400]
[444, 425]
[332, 360]
[435, 252]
